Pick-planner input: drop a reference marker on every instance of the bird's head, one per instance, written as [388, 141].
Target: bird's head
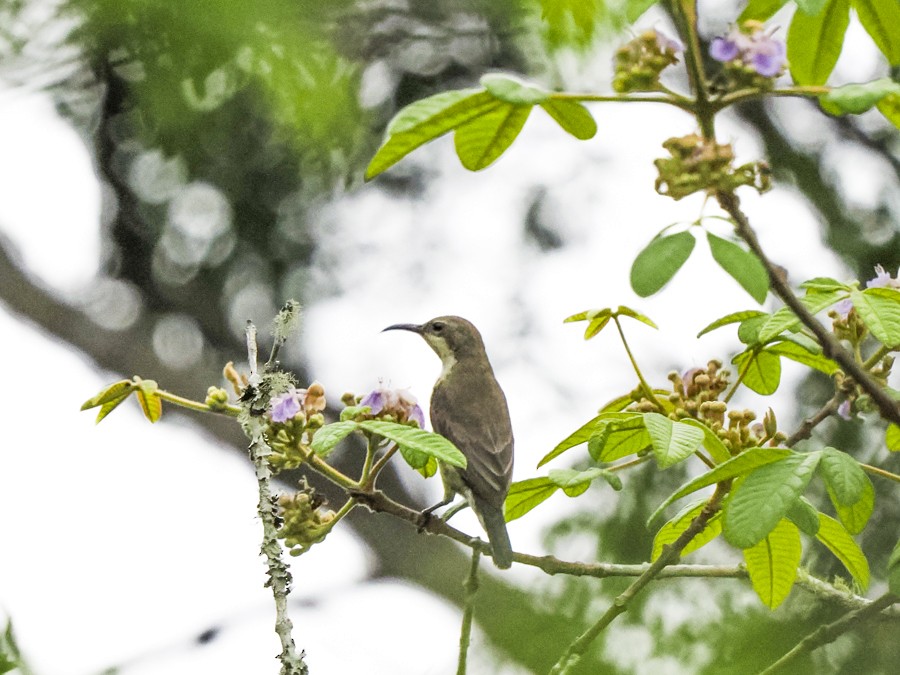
[451, 337]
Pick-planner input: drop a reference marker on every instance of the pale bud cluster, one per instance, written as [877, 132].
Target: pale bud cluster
[304, 520]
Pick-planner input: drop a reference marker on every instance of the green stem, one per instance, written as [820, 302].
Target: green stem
[371, 449]
[471, 588]
[676, 100]
[879, 354]
[332, 474]
[875, 471]
[380, 464]
[629, 463]
[645, 386]
[190, 404]
[742, 373]
[742, 95]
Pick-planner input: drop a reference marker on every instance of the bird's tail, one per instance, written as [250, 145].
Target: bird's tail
[495, 526]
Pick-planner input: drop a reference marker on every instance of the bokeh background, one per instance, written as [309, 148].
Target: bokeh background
[169, 170]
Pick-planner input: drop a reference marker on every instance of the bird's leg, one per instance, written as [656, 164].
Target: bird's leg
[425, 515]
[453, 510]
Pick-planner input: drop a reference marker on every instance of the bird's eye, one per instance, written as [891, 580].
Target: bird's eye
[437, 326]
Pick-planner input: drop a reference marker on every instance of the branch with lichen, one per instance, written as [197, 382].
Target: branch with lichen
[279, 580]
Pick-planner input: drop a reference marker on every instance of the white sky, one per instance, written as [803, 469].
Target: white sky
[100, 561]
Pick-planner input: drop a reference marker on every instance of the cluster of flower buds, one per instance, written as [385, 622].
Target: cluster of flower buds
[751, 57]
[293, 413]
[392, 405]
[695, 393]
[698, 164]
[640, 62]
[304, 521]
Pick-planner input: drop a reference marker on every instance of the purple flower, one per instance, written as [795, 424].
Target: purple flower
[724, 50]
[284, 406]
[843, 307]
[767, 56]
[882, 279]
[844, 410]
[397, 402]
[752, 46]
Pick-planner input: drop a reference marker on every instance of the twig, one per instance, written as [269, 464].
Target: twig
[833, 349]
[279, 575]
[804, 431]
[830, 632]
[670, 554]
[470, 585]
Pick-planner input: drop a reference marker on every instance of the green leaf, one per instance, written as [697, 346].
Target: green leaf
[669, 532]
[765, 496]
[659, 261]
[481, 140]
[418, 441]
[772, 563]
[107, 408]
[634, 314]
[117, 391]
[801, 354]
[805, 516]
[426, 120]
[889, 106]
[785, 319]
[326, 438]
[616, 438]
[892, 438]
[151, 404]
[353, 411]
[588, 315]
[573, 482]
[524, 495]
[844, 477]
[735, 317]
[879, 308]
[881, 19]
[824, 284]
[814, 42]
[855, 516]
[811, 7]
[672, 441]
[894, 570]
[761, 369]
[512, 89]
[760, 10]
[855, 99]
[595, 326]
[618, 404]
[713, 444]
[430, 468]
[577, 437]
[743, 464]
[838, 540]
[572, 116]
[742, 265]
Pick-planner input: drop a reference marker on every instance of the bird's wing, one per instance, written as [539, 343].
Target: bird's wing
[487, 445]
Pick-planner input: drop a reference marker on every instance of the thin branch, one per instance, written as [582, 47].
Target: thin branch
[804, 431]
[278, 572]
[670, 554]
[831, 347]
[830, 632]
[378, 502]
[465, 634]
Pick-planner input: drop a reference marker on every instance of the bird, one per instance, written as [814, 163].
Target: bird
[469, 408]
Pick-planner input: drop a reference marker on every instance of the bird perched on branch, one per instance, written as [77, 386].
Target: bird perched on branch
[469, 408]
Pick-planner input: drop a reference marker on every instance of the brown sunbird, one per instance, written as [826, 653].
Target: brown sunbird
[469, 408]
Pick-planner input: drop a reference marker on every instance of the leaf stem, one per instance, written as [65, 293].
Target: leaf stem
[190, 404]
[645, 386]
[876, 471]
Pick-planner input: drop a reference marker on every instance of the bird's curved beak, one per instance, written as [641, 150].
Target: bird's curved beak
[411, 327]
